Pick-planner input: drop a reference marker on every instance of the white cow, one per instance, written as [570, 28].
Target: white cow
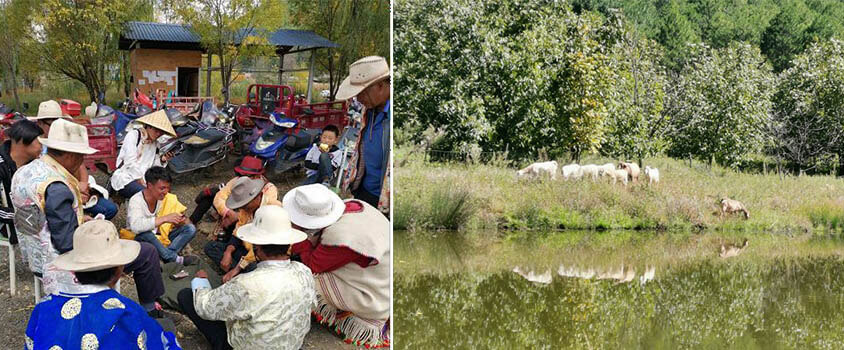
[652, 174]
[619, 175]
[538, 170]
[572, 171]
[590, 170]
[607, 170]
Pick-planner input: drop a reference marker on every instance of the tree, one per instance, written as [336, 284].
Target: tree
[636, 125]
[360, 27]
[809, 107]
[675, 32]
[720, 104]
[14, 19]
[234, 30]
[786, 37]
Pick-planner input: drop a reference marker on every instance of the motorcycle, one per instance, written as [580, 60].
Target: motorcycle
[285, 146]
[208, 144]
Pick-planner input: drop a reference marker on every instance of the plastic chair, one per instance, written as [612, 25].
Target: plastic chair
[12, 277]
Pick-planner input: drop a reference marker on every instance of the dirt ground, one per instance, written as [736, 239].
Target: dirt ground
[15, 310]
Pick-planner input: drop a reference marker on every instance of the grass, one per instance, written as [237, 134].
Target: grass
[685, 199]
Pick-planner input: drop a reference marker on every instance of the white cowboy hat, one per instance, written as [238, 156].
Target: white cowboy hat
[158, 120]
[96, 246]
[69, 137]
[271, 225]
[363, 73]
[49, 110]
[313, 206]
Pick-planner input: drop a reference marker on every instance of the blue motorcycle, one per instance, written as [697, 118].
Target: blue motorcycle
[285, 146]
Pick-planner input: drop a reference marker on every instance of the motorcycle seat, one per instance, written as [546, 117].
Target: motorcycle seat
[205, 137]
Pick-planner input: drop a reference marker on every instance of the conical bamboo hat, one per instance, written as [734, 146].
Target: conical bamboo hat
[159, 121]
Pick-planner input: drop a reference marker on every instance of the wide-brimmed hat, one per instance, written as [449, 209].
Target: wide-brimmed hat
[313, 206]
[363, 73]
[158, 120]
[271, 225]
[96, 246]
[49, 110]
[243, 191]
[250, 166]
[69, 137]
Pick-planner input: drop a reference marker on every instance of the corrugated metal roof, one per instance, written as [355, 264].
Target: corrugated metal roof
[165, 32]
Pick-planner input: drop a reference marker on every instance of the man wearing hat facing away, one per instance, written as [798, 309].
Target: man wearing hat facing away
[349, 253]
[140, 152]
[48, 210]
[369, 174]
[48, 112]
[96, 316]
[268, 308]
[247, 195]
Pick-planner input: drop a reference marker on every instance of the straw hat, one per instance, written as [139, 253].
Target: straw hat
[96, 247]
[271, 225]
[363, 73]
[313, 206]
[244, 190]
[69, 137]
[49, 110]
[158, 120]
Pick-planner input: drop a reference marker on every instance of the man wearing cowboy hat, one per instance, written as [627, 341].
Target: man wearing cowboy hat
[350, 256]
[268, 308]
[48, 209]
[216, 196]
[368, 177]
[246, 196]
[140, 152]
[97, 316]
[48, 112]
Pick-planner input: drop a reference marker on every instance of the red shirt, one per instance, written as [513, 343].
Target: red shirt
[322, 258]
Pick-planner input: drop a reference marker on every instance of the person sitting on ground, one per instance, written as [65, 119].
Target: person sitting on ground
[48, 112]
[268, 308]
[21, 148]
[323, 158]
[350, 258]
[48, 211]
[139, 153]
[247, 195]
[96, 316]
[217, 195]
[149, 226]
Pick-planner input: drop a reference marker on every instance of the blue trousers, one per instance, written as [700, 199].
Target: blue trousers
[129, 190]
[324, 173]
[103, 206]
[179, 238]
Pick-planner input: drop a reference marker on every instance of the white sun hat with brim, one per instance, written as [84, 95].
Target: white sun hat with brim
[96, 246]
[313, 206]
[158, 120]
[69, 137]
[271, 225]
[49, 110]
[363, 73]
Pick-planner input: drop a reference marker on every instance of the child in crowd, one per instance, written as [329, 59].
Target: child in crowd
[323, 158]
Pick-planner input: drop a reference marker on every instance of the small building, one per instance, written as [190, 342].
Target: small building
[169, 56]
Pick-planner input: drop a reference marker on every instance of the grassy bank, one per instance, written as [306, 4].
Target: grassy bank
[482, 197]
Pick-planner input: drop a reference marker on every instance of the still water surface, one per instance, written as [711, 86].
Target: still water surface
[457, 292]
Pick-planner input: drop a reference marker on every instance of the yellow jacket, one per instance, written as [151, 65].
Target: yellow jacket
[169, 205]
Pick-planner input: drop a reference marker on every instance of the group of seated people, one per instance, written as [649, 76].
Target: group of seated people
[310, 254]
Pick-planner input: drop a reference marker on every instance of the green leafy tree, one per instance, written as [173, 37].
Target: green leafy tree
[786, 35]
[809, 107]
[636, 125]
[361, 27]
[233, 30]
[721, 103]
[675, 32]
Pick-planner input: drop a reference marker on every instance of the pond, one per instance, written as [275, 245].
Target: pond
[454, 290]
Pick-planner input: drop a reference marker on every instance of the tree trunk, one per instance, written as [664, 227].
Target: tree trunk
[15, 85]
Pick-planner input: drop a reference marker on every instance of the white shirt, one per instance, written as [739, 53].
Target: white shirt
[268, 308]
[313, 157]
[138, 216]
[134, 159]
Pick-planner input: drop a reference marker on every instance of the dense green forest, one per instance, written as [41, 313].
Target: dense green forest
[721, 81]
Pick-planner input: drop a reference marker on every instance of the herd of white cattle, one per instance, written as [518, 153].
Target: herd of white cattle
[623, 172]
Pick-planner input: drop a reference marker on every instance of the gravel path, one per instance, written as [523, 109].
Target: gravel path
[16, 309]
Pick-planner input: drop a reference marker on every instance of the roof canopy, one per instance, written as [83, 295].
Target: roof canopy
[181, 37]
